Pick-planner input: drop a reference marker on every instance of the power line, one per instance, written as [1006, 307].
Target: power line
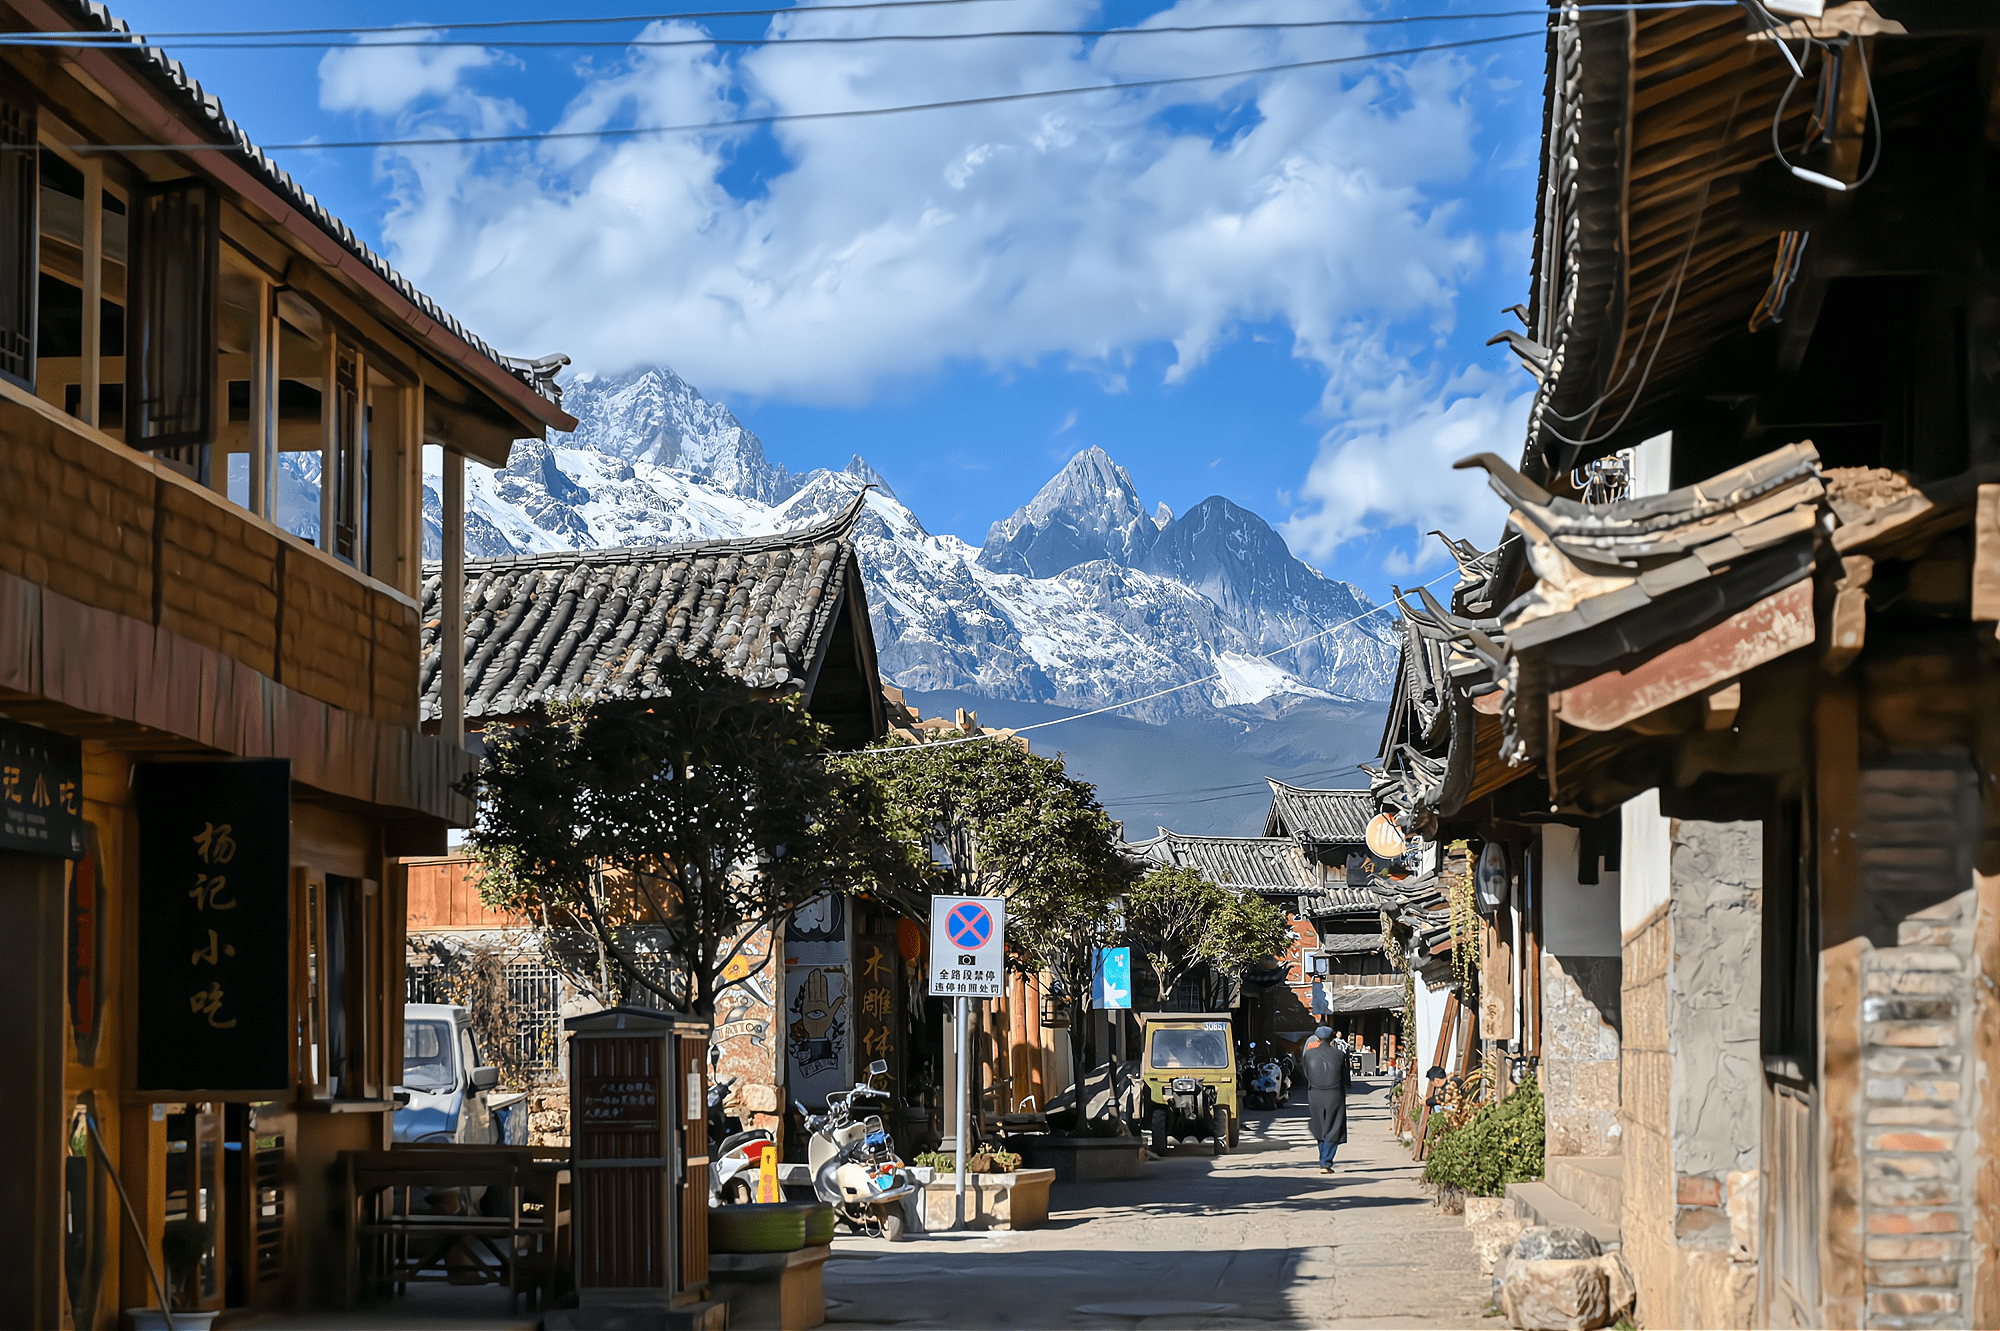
[862, 39]
[130, 37]
[749, 122]
[904, 750]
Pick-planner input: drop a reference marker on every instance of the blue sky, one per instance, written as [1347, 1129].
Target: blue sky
[1276, 289]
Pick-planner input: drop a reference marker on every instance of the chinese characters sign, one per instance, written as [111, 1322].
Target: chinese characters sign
[968, 946]
[215, 926]
[877, 1008]
[41, 791]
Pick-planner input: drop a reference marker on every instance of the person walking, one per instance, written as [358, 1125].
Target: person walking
[1325, 1064]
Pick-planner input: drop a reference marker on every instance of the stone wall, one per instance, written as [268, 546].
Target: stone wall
[1691, 1106]
[1580, 1016]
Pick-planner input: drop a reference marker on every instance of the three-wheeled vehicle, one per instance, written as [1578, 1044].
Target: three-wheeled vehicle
[1188, 1062]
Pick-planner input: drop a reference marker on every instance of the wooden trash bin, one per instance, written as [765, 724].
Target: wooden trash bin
[639, 1156]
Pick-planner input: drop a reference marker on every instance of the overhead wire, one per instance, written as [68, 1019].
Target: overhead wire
[904, 750]
[129, 37]
[796, 117]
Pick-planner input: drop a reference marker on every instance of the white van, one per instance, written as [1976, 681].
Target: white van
[451, 1091]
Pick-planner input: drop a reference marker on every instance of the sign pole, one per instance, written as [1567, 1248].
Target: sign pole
[968, 959]
[964, 1115]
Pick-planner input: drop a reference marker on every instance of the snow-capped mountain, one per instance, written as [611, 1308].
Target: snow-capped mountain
[1079, 599]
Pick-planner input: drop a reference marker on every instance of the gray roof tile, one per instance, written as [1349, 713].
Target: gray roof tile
[1267, 866]
[596, 623]
[1322, 817]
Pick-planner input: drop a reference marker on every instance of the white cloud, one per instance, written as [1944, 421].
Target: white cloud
[383, 80]
[1076, 227]
[1388, 465]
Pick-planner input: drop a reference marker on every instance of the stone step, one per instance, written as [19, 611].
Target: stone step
[1594, 1182]
[1539, 1204]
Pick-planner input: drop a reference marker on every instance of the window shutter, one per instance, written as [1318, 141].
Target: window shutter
[170, 360]
[20, 190]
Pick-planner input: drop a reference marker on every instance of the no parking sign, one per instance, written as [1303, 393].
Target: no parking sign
[968, 946]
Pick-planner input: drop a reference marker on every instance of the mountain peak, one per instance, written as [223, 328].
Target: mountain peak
[653, 415]
[1088, 510]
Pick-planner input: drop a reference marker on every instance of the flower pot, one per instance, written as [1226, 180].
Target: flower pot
[152, 1319]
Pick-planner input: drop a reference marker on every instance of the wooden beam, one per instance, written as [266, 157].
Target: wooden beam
[1779, 624]
[451, 602]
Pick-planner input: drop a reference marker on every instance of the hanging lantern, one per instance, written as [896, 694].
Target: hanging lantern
[1385, 838]
[909, 940]
[1492, 877]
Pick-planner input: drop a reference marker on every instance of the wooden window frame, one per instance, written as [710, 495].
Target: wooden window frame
[140, 315]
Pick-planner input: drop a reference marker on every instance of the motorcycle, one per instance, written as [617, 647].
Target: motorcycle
[733, 1153]
[1269, 1086]
[853, 1162]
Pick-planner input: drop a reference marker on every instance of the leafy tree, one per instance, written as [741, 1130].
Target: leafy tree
[1181, 920]
[1167, 914]
[707, 810]
[1000, 821]
[1244, 928]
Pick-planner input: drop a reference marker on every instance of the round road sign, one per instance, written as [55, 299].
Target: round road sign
[968, 925]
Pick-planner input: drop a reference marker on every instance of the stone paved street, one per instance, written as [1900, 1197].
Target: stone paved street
[1256, 1238]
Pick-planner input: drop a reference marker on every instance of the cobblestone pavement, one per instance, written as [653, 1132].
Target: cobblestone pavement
[1255, 1238]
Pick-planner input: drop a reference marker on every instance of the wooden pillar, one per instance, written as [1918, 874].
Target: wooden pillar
[1837, 808]
[451, 603]
[32, 956]
[264, 406]
[329, 438]
[93, 289]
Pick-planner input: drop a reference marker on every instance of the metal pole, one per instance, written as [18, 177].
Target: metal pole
[964, 1115]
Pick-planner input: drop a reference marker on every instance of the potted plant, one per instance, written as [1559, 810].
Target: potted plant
[185, 1244]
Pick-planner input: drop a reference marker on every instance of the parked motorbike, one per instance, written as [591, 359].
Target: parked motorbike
[854, 1165]
[732, 1153]
[1270, 1087]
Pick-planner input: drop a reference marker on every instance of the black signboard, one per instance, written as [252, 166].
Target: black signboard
[215, 951]
[41, 791]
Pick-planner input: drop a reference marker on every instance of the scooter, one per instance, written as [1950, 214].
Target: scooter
[853, 1161]
[733, 1153]
[1269, 1086]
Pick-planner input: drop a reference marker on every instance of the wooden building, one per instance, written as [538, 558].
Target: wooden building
[785, 613]
[1334, 971]
[210, 758]
[1737, 644]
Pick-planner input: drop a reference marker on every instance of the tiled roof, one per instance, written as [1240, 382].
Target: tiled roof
[1267, 866]
[590, 624]
[202, 105]
[1323, 817]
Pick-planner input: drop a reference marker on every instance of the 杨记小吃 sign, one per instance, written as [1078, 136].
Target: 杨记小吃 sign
[214, 927]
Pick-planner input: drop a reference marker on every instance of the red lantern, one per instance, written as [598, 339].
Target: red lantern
[909, 940]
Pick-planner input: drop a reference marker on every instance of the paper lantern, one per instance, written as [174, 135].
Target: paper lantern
[909, 940]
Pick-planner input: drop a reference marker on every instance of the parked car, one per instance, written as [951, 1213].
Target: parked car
[453, 1095]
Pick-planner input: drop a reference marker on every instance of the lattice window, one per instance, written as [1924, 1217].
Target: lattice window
[534, 1009]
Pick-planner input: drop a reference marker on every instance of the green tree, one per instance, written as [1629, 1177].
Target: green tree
[710, 807]
[999, 821]
[1181, 921]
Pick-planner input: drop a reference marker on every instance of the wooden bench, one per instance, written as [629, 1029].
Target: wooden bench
[521, 1223]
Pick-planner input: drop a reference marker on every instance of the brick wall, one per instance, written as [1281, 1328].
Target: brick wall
[1916, 1153]
[89, 519]
[79, 516]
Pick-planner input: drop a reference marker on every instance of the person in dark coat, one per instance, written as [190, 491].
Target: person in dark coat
[1325, 1064]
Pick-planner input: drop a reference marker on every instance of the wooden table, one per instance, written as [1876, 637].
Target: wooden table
[521, 1222]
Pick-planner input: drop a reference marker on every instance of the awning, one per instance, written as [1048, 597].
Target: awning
[1358, 998]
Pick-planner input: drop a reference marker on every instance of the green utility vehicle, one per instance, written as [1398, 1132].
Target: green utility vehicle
[1192, 1090]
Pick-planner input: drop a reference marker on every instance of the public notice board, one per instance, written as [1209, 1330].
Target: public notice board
[214, 927]
[968, 947]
